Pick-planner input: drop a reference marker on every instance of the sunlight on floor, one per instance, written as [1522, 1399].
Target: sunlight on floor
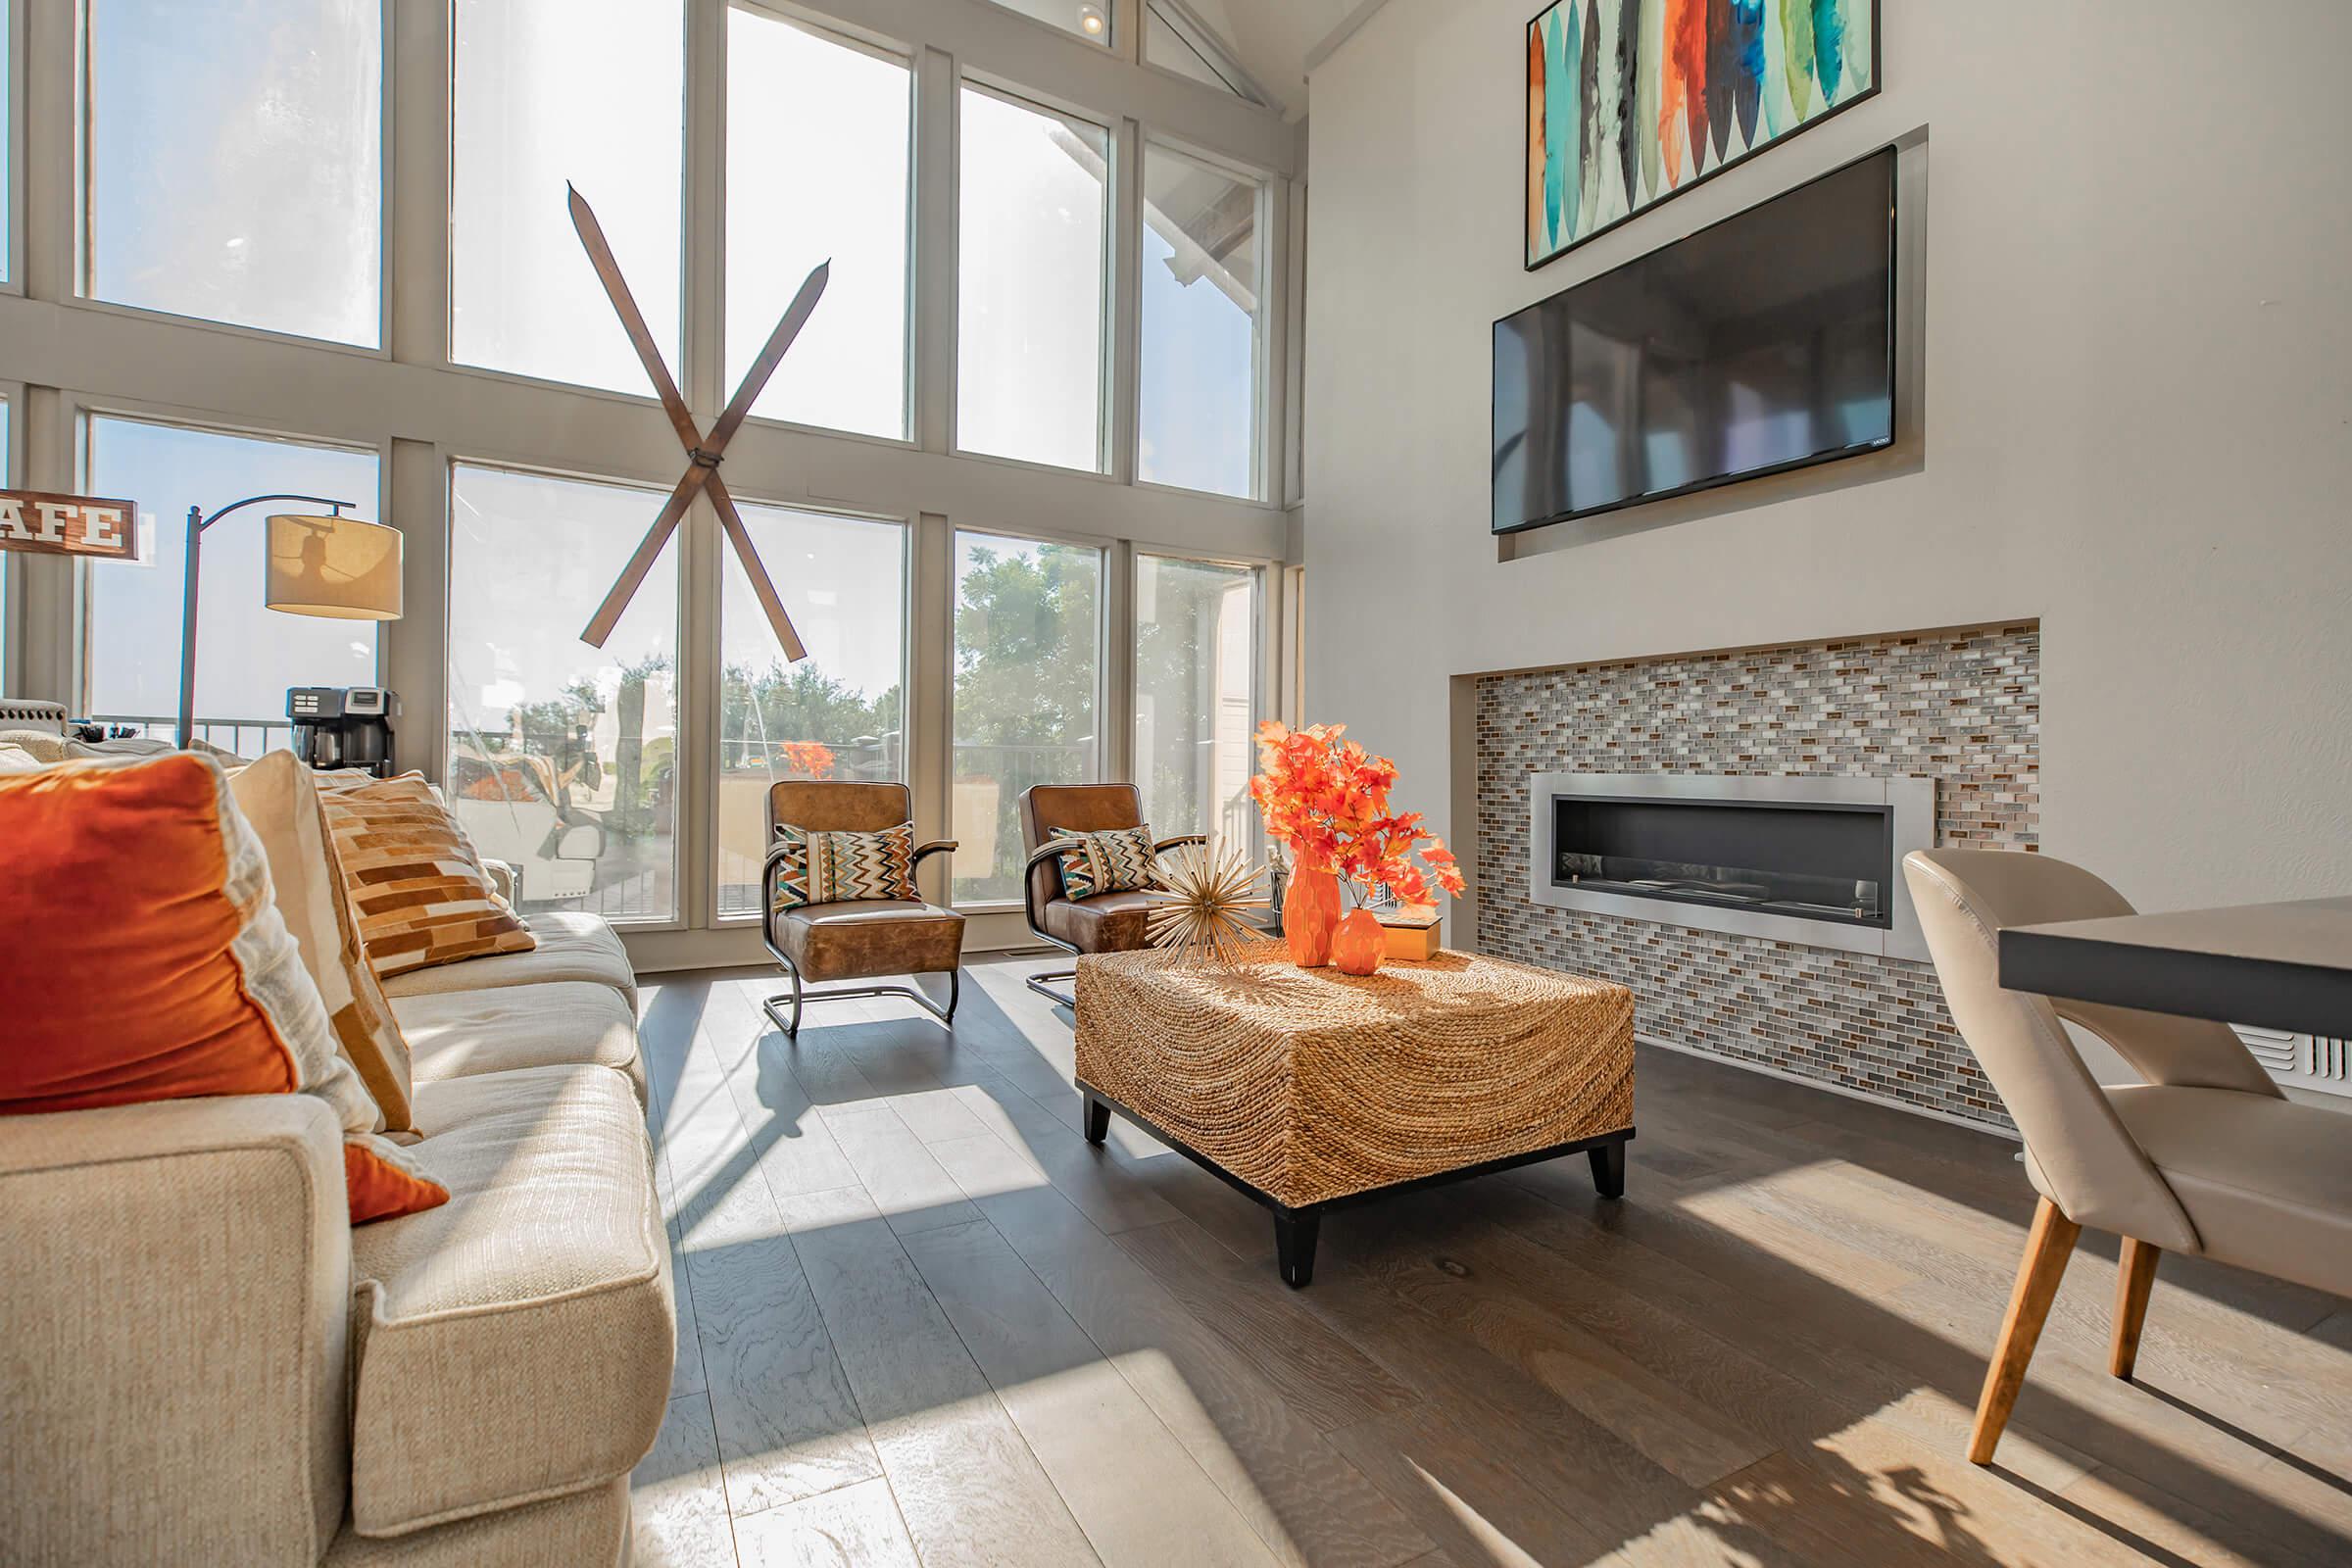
[1498, 1548]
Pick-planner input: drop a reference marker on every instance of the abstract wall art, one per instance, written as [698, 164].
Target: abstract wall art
[1629, 102]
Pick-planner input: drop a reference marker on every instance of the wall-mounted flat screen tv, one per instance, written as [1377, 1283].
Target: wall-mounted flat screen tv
[1761, 343]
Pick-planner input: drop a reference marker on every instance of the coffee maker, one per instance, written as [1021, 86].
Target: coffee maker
[343, 726]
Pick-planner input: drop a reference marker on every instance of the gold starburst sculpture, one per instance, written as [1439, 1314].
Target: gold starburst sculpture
[1205, 891]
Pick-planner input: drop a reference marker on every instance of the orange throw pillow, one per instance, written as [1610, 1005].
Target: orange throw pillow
[413, 880]
[147, 960]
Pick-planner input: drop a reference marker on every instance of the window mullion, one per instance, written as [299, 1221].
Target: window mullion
[703, 263]
[934, 249]
[1125, 336]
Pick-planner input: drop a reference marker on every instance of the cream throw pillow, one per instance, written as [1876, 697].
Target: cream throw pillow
[280, 799]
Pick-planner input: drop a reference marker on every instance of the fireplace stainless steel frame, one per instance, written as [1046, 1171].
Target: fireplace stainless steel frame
[1908, 806]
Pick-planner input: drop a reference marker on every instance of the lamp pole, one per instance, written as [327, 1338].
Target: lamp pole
[197, 523]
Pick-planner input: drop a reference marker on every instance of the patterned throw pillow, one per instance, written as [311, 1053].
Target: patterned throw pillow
[141, 884]
[1117, 859]
[827, 868]
[420, 892]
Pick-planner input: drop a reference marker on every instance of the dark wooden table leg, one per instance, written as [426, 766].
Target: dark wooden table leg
[1608, 1168]
[1098, 1120]
[1294, 1233]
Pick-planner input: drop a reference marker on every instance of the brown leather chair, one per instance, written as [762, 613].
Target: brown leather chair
[853, 939]
[1108, 923]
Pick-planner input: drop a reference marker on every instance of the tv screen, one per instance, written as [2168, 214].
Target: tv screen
[1763, 342]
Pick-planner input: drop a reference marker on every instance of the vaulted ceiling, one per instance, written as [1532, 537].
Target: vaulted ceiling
[1274, 39]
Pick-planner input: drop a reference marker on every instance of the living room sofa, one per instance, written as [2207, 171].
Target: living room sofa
[206, 1362]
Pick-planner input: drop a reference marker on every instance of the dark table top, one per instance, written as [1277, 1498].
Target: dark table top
[2276, 965]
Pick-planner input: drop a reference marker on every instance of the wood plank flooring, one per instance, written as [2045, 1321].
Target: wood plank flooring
[921, 1322]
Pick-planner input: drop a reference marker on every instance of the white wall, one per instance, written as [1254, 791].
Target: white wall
[2137, 421]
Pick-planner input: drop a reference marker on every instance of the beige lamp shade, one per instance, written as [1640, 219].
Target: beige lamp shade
[334, 566]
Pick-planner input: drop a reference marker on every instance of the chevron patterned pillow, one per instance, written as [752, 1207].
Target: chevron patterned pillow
[827, 868]
[1116, 860]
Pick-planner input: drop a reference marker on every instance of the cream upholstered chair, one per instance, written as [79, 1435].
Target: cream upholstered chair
[1108, 923]
[2205, 1156]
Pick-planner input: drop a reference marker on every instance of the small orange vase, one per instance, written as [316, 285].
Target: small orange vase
[1359, 944]
[1310, 914]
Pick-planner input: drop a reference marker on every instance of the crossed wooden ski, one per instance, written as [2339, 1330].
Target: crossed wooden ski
[703, 452]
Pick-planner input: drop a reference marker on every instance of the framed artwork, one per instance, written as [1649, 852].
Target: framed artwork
[1631, 102]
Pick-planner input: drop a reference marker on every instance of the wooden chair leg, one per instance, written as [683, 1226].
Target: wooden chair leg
[2048, 1245]
[2135, 1277]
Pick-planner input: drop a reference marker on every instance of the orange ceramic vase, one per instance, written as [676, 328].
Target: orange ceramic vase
[1310, 914]
[1359, 944]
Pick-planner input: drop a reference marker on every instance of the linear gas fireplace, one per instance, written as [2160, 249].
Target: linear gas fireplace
[1815, 860]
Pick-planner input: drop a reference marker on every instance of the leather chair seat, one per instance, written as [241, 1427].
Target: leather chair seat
[2268, 1183]
[1108, 923]
[856, 939]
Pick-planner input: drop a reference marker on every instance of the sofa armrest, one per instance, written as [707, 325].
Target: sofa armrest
[177, 1298]
[502, 878]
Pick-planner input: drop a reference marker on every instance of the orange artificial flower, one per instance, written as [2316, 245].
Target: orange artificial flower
[1328, 800]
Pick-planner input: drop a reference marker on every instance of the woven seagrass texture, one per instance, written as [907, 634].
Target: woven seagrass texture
[1310, 1085]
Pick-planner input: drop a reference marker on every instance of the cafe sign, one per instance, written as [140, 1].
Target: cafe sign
[67, 526]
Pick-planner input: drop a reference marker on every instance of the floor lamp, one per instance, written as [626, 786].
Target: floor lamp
[330, 565]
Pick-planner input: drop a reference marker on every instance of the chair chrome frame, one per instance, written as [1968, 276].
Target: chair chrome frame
[1033, 911]
[800, 996]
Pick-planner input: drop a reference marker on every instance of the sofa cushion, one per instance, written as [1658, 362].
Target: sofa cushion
[516, 1343]
[857, 937]
[464, 1034]
[572, 945]
[1108, 923]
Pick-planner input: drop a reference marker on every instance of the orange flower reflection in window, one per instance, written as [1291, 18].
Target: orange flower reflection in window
[806, 759]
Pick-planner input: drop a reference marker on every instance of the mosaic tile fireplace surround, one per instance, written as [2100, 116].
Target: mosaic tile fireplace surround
[1961, 707]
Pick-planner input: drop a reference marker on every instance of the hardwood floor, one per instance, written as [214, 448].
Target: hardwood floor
[922, 1322]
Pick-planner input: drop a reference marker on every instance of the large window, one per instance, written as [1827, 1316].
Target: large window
[1028, 636]
[235, 161]
[589, 92]
[562, 758]
[1197, 393]
[246, 654]
[1196, 686]
[838, 714]
[817, 155]
[1030, 289]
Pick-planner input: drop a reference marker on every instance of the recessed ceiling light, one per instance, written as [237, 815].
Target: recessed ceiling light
[1090, 20]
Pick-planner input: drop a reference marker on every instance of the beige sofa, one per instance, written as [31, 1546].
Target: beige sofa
[206, 1363]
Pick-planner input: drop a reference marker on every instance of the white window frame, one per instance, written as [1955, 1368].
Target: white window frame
[1262, 641]
[1264, 455]
[386, 176]
[1105, 380]
[711, 917]
[880, 48]
[80, 414]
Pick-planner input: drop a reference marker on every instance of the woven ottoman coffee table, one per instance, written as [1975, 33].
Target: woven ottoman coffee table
[1309, 1089]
